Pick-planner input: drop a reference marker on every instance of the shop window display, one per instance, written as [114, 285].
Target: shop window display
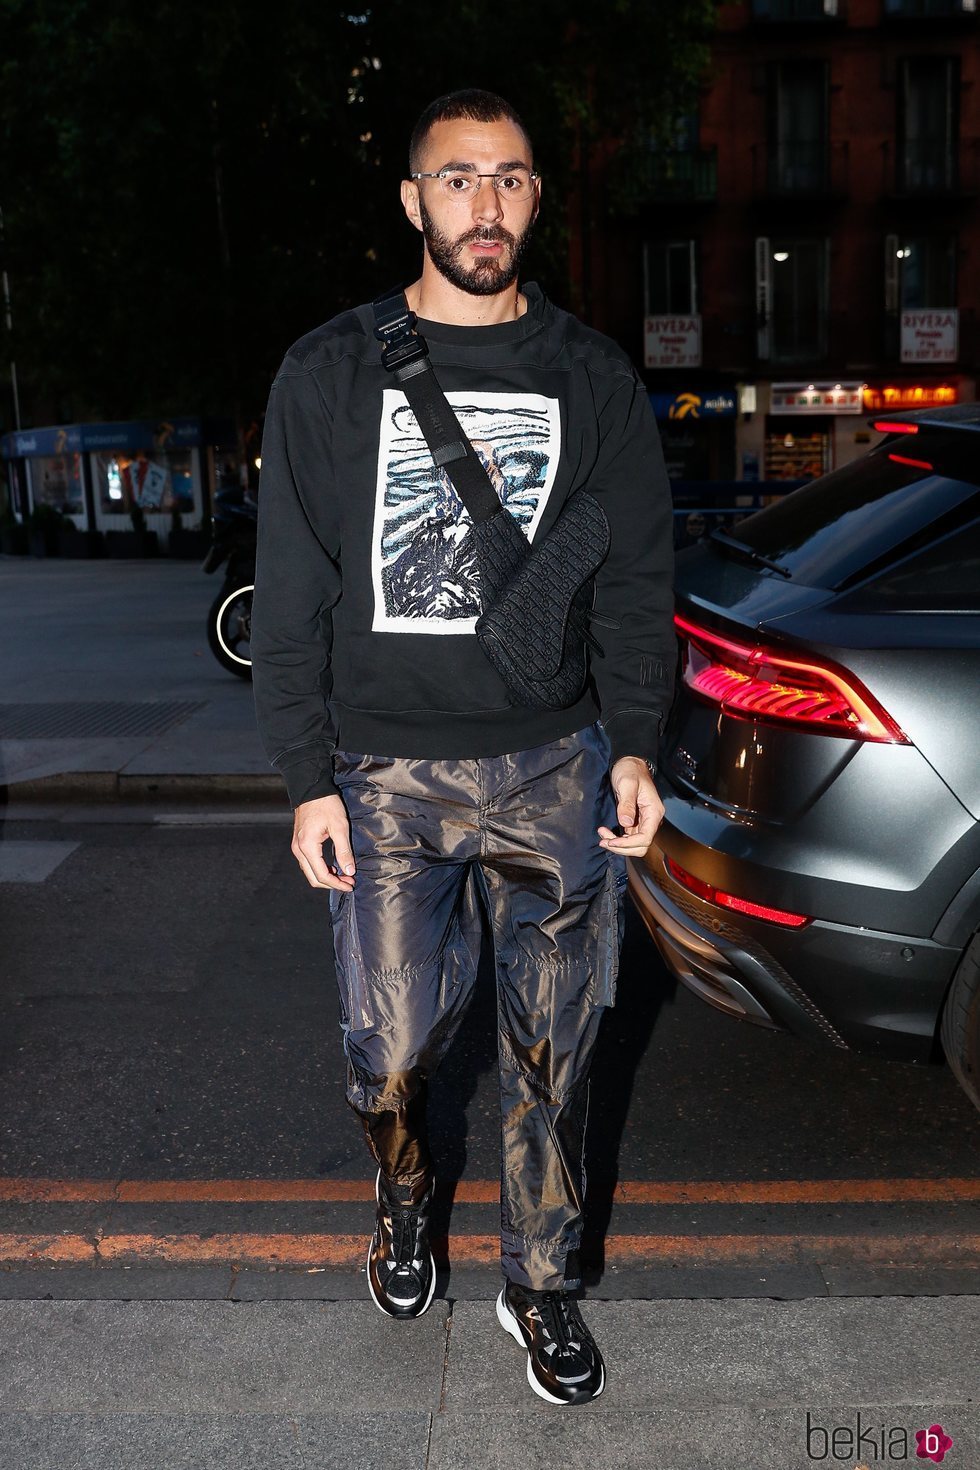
[57, 482]
[797, 453]
[156, 482]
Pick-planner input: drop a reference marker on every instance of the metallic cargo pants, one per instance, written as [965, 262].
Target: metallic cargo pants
[429, 837]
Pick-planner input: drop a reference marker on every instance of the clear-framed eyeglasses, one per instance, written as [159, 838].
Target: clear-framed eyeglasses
[456, 183]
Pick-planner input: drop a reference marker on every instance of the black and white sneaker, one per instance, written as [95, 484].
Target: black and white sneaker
[400, 1269]
[564, 1366]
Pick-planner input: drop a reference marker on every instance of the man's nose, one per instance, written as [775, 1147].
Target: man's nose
[487, 206]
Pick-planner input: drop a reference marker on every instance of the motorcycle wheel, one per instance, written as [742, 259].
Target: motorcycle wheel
[230, 629]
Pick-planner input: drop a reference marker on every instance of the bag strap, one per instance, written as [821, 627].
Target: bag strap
[405, 354]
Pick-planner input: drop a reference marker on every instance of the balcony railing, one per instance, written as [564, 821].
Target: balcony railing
[926, 167]
[797, 10]
[663, 175]
[861, 334]
[930, 169]
[800, 170]
[928, 9]
[837, 337]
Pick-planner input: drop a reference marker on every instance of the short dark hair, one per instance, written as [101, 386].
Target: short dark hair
[470, 103]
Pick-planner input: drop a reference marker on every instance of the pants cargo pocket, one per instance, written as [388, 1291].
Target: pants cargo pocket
[612, 929]
[348, 961]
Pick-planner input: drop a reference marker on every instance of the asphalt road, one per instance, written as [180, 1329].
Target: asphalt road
[174, 1122]
[783, 1242]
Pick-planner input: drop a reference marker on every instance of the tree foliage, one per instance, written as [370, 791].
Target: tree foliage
[188, 188]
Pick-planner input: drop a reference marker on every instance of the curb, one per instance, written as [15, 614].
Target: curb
[108, 786]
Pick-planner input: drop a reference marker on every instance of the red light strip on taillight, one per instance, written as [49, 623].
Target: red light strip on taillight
[711, 894]
[919, 464]
[888, 426]
[763, 683]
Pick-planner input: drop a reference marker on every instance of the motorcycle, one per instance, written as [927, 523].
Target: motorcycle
[233, 536]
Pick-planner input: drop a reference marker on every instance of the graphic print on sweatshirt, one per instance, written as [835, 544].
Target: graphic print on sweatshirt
[422, 563]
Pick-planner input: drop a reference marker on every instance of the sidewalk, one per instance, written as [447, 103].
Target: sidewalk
[134, 702]
[692, 1385]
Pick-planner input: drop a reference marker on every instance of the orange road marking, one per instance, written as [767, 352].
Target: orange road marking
[319, 1251]
[484, 1191]
[60, 1191]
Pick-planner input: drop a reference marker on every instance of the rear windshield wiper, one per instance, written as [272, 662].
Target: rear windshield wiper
[741, 548]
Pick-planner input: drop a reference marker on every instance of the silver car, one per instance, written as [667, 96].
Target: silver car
[818, 867]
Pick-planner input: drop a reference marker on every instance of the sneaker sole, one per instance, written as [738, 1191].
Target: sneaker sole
[398, 1316]
[509, 1323]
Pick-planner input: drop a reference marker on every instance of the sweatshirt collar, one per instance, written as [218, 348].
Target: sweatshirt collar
[497, 333]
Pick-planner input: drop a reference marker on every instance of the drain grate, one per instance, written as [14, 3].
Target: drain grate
[81, 720]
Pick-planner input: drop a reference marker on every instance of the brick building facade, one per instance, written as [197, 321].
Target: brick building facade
[808, 250]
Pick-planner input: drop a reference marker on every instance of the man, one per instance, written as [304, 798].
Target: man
[399, 743]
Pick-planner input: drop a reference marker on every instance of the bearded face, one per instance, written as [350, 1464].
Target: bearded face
[488, 272]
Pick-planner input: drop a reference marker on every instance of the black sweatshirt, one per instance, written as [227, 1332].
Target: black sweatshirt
[366, 590]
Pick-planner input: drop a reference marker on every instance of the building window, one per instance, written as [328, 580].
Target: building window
[155, 481]
[670, 284]
[686, 130]
[928, 125]
[795, 9]
[670, 166]
[921, 272]
[921, 322]
[791, 291]
[796, 448]
[925, 8]
[57, 482]
[797, 126]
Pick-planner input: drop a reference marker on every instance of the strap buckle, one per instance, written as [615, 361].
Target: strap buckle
[395, 330]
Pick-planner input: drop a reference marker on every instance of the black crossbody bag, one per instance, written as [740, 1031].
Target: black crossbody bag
[537, 602]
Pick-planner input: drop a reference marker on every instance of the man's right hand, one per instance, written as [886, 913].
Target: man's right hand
[314, 822]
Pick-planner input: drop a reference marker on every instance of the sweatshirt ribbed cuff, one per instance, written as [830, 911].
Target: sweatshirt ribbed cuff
[309, 778]
[633, 732]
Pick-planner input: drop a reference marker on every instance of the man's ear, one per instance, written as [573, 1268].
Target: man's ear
[410, 201]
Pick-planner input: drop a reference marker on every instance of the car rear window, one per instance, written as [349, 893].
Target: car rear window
[943, 576]
[854, 520]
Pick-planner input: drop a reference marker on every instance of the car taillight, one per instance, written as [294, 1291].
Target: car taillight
[919, 464]
[725, 900]
[763, 682]
[894, 426]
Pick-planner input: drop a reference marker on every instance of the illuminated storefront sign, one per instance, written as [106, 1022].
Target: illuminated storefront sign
[930, 336]
[909, 395]
[672, 341]
[705, 403]
[816, 398]
[165, 434]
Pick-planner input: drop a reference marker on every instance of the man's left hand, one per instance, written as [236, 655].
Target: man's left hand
[638, 808]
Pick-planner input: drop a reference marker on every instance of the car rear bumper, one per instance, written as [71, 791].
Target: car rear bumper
[852, 988]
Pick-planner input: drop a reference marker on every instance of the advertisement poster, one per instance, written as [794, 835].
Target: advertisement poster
[672, 341]
[930, 336]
